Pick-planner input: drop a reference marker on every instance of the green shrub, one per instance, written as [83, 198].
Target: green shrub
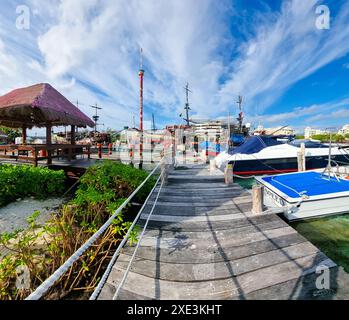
[102, 190]
[25, 181]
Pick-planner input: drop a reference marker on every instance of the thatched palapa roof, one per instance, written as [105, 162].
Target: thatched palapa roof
[38, 106]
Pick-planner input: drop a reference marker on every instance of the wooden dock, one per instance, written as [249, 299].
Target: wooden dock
[203, 242]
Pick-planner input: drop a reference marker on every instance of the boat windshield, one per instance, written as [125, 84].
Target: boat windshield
[307, 144]
[255, 144]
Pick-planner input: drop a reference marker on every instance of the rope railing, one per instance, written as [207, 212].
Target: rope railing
[104, 278]
[48, 283]
[122, 282]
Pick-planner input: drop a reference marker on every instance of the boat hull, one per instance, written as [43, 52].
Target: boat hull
[309, 209]
[305, 195]
[281, 165]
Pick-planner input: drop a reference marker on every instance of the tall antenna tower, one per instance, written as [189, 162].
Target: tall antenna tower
[187, 105]
[241, 114]
[141, 78]
[96, 116]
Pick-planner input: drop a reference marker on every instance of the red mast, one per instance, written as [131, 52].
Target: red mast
[141, 77]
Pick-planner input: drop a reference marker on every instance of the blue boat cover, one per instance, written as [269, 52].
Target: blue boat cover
[255, 144]
[310, 183]
[237, 138]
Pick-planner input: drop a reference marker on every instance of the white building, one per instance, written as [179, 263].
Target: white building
[309, 132]
[344, 130]
[274, 131]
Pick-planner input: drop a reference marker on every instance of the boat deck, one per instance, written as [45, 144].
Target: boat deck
[203, 242]
[310, 183]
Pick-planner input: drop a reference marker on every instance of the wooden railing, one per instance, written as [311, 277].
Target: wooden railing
[40, 152]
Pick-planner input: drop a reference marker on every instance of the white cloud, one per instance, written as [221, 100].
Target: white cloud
[316, 115]
[284, 51]
[88, 49]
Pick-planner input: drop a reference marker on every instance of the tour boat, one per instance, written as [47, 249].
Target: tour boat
[267, 155]
[305, 195]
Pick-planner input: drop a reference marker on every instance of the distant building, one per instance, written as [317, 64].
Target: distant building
[344, 130]
[309, 132]
[133, 136]
[274, 131]
[209, 127]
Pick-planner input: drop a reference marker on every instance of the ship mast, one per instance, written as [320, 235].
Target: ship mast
[187, 105]
[241, 114]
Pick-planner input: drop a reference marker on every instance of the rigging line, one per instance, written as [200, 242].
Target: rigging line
[138, 244]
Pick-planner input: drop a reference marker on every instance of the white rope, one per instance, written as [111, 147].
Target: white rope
[138, 245]
[301, 194]
[48, 283]
[105, 276]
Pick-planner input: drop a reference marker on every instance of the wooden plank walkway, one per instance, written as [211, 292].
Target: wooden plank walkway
[203, 242]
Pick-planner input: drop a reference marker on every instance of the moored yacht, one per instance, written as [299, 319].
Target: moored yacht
[266, 155]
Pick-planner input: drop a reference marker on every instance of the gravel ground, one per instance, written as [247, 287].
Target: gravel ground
[13, 216]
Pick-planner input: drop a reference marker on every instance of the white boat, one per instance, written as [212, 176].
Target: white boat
[305, 195]
[266, 155]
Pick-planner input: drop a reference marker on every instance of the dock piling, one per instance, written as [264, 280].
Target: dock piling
[257, 199]
[212, 166]
[301, 158]
[228, 174]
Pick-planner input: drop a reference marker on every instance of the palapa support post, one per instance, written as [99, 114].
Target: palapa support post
[24, 135]
[49, 143]
[257, 199]
[228, 174]
[72, 141]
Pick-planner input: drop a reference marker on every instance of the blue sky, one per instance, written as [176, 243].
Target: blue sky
[289, 72]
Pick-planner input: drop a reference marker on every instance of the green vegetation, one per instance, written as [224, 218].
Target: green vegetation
[42, 249]
[326, 138]
[25, 181]
[299, 137]
[12, 134]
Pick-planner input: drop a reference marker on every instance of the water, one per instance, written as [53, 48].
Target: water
[329, 234]
[245, 183]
